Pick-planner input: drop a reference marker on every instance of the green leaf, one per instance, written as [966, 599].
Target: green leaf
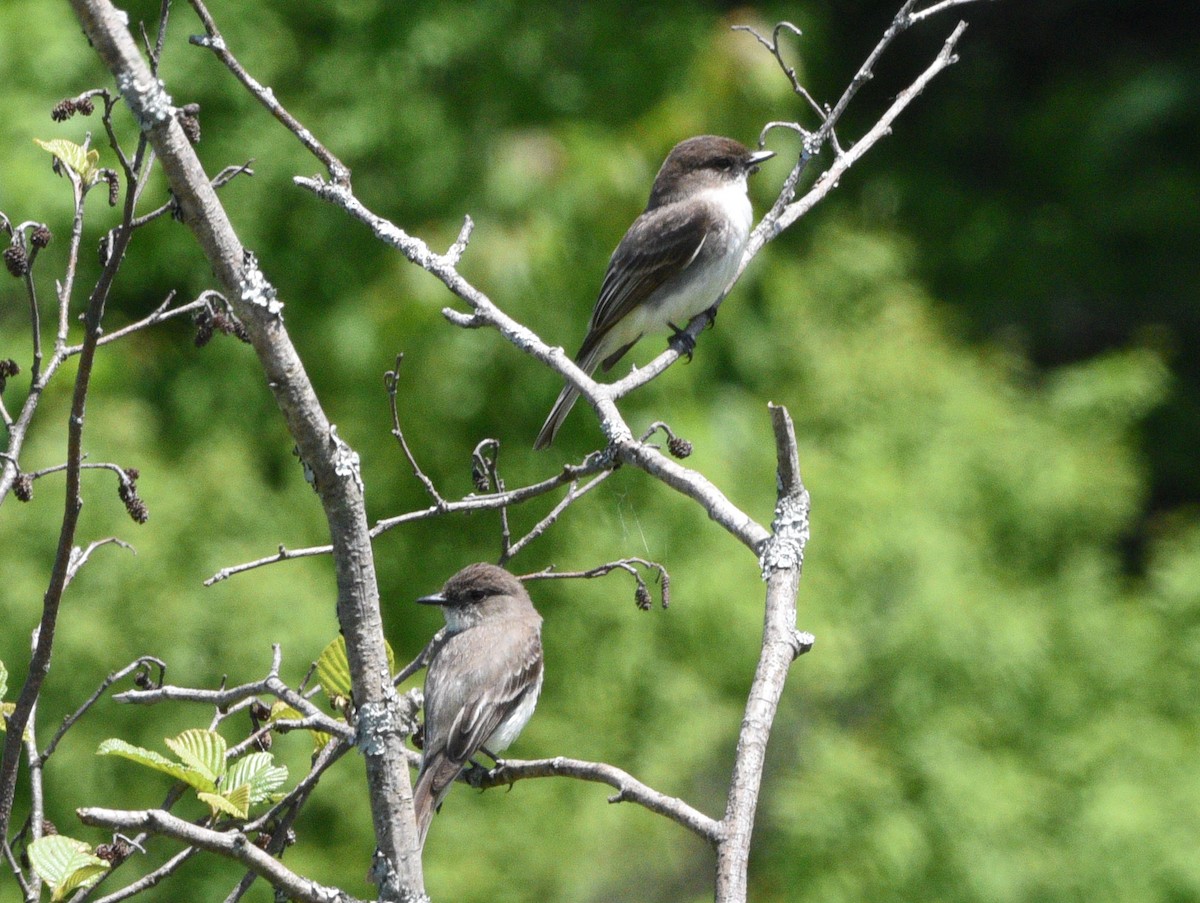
[202, 750]
[65, 864]
[333, 670]
[258, 772]
[75, 157]
[281, 711]
[236, 803]
[151, 759]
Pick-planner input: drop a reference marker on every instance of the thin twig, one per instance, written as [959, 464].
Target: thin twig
[574, 494]
[228, 699]
[929, 11]
[641, 593]
[150, 879]
[15, 866]
[592, 464]
[155, 53]
[79, 557]
[774, 48]
[391, 381]
[141, 665]
[220, 180]
[213, 40]
[159, 315]
[883, 127]
[423, 658]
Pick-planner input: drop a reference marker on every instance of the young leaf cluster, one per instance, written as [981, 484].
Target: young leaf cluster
[226, 788]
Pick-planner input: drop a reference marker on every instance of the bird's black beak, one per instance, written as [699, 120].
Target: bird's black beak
[756, 158]
[435, 599]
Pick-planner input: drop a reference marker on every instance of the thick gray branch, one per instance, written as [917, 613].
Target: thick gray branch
[332, 461]
[781, 559]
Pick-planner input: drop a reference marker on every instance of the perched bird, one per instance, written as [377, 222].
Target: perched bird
[483, 682]
[675, 260]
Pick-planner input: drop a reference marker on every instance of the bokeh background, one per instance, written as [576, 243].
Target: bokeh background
[987, 338]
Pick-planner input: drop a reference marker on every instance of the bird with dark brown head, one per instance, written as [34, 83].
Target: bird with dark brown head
[483, 682]
[675, 261]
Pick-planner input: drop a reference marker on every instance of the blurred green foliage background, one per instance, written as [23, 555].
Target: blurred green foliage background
[987, 339]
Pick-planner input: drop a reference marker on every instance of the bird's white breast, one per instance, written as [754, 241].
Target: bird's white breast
[700, 284]
[509, 729]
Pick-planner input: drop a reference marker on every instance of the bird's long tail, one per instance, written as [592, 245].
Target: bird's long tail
[558, 413]
[433, 783]
[566, 399]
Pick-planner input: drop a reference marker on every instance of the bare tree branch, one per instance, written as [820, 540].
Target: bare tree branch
[230, 844]
[782, 559]
[26, 890]
[629, 788]
[829, 179]
[226, 698]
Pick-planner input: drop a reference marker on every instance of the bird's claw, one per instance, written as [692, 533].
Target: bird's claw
[684, 343]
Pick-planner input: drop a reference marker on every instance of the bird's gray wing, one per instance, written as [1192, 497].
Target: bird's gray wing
[485, 711]
[660, 244]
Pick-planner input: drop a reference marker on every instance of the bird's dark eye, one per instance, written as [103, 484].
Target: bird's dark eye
[723, 163]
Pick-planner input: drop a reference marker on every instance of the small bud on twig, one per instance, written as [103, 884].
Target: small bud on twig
[114, 186]
[23, 488]
[63, 110]
[679, 447]
[40, 236]
[15, 261]
[116, 852]
[8, 367]
[189, 121]
[127, 490]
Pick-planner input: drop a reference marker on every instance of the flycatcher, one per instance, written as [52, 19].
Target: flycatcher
[675, 260]
[482, 684]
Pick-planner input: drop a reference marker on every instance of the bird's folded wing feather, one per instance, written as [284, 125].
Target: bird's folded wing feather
[483, 712]
[660, 244]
